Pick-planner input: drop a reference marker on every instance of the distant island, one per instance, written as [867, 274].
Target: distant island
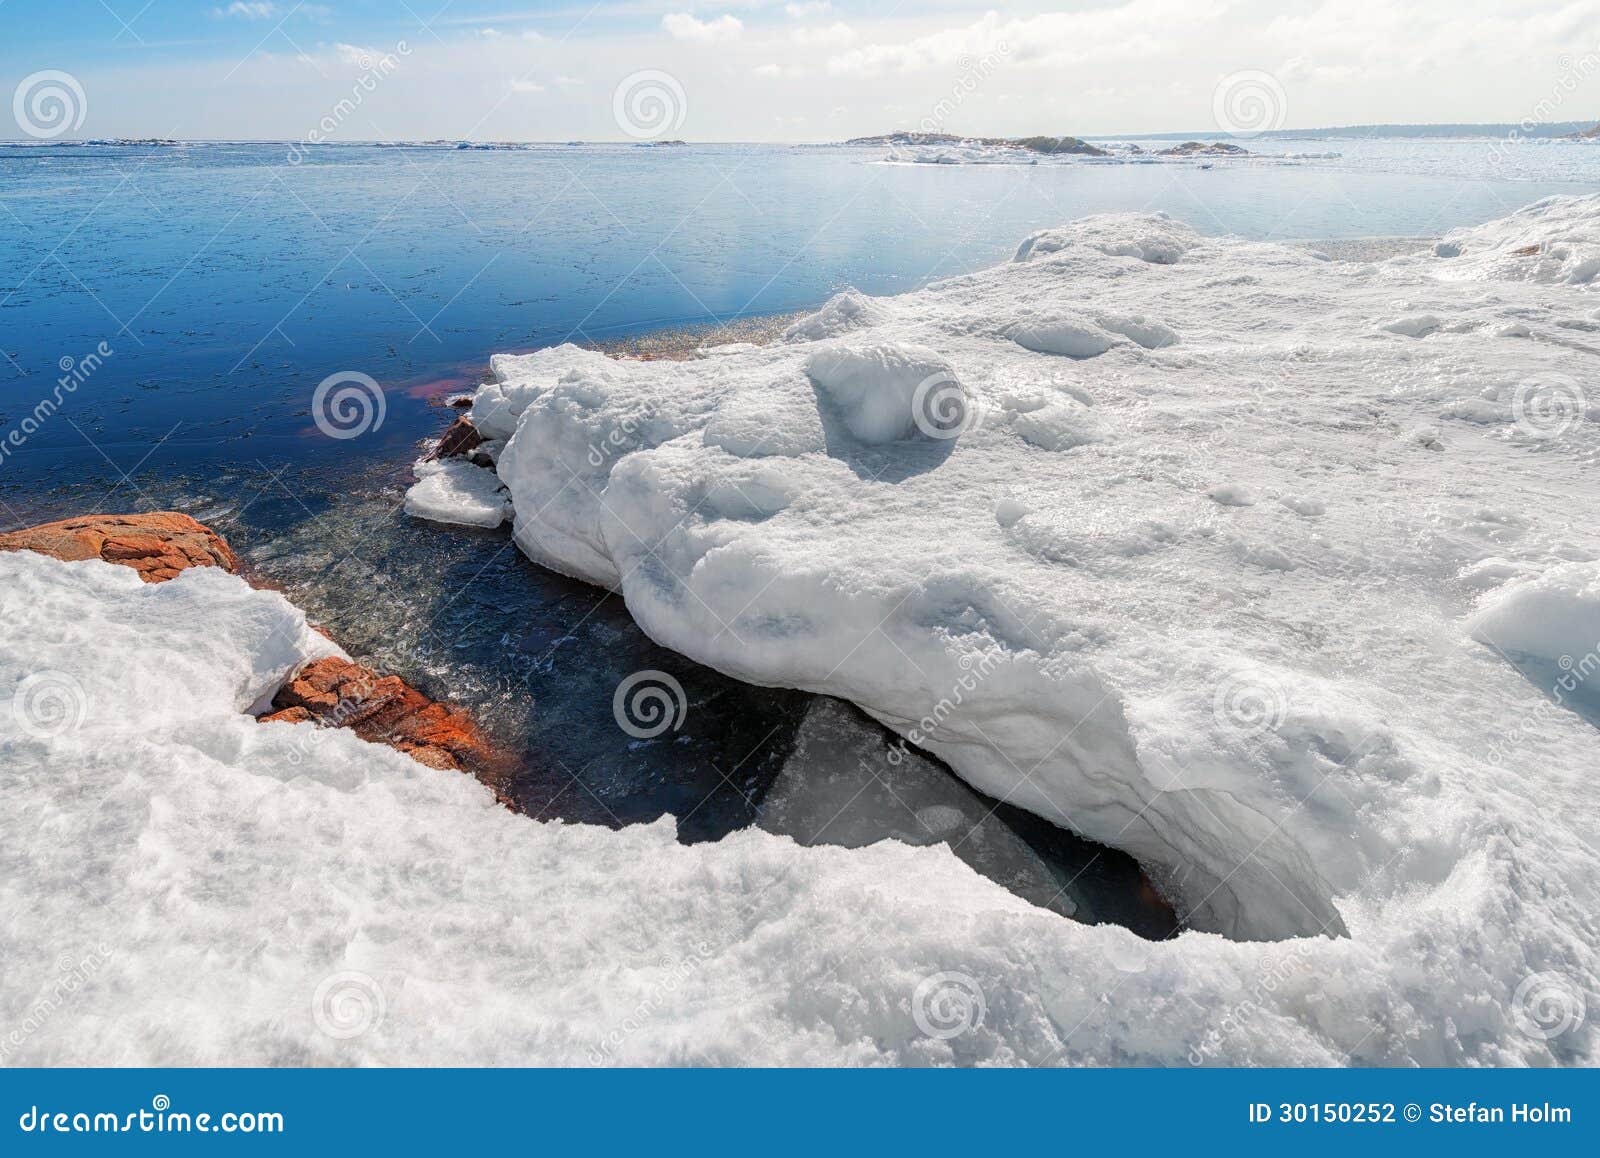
[1045, 145]
[1048, 146]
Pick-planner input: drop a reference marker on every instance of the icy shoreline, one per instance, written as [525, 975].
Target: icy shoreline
[1262, 568]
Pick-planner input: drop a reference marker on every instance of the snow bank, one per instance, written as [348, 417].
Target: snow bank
[1553, 241]
[1274, 705]
[184, 885]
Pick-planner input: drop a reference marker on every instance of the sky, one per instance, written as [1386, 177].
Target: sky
[801, 70]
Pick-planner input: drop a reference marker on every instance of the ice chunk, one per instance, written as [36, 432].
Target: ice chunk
[1555, 617]
[455, 491]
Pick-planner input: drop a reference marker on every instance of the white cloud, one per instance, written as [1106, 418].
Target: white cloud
[808, 9]
[523, 85]
[357, 54]
[254, 10]
[835, 35]
[683, 26]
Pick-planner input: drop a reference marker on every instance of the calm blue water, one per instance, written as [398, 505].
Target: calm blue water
[228, 283]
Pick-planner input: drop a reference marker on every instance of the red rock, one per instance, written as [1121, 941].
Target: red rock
[335, 692]
[157, 545]
[329, 693]
[460, 437]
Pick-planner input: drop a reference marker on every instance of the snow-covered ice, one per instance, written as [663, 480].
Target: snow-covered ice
[1298, 712]
[1277, 706]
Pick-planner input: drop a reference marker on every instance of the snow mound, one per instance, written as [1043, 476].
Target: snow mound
[454, 491]
[843, 312]
[1147, 332]
[1154, 238]
[1269, 705]
[890, 391]
[1072, 335]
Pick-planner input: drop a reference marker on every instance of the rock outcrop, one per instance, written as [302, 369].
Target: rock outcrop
[335, 692]
[1205, 149]
[331, 692]
[157, 545]
[460, 437]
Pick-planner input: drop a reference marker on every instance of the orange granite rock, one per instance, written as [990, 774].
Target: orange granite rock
[158, 545]
[335, 692]
[331, 692]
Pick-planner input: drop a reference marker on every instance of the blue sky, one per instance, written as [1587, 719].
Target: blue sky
[795, 69]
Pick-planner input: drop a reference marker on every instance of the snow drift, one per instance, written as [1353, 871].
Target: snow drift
[184, 885]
